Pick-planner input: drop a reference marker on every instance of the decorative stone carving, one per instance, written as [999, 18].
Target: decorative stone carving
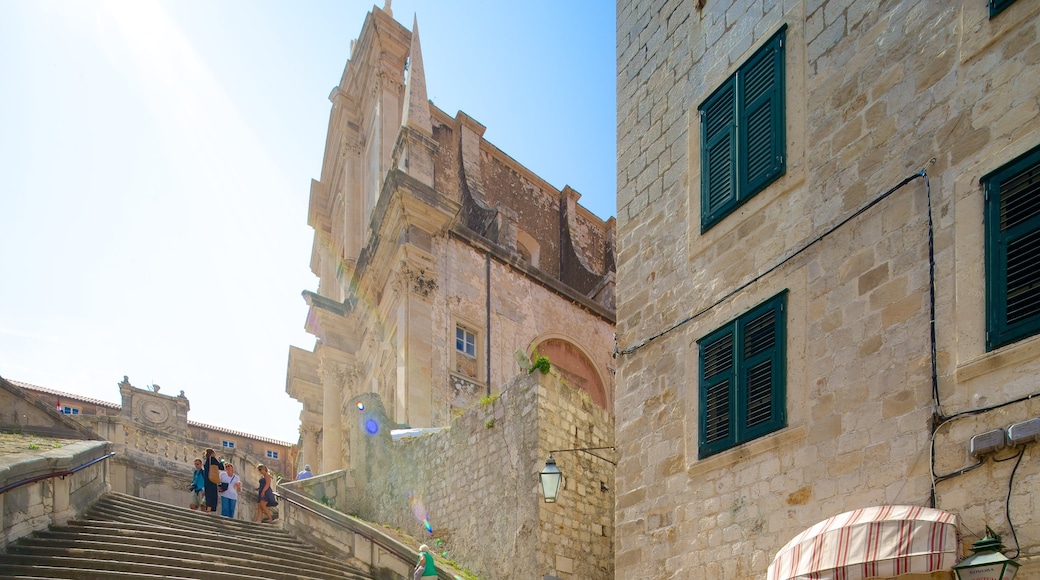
[419, 281]
[391, 80]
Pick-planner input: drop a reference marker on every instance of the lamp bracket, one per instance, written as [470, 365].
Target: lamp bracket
[588, 450]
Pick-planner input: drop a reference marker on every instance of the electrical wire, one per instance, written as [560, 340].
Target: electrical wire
[1007, 504]
[773, 268]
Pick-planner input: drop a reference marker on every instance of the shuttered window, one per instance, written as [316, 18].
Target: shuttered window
[998, 6]
[1012, 216]
[742, 133]
[742, 372]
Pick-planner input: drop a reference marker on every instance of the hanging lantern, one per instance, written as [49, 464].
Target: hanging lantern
[986, 562]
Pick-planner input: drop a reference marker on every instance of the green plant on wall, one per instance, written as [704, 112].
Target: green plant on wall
[540, 363]
[489, 399]
[489, 424]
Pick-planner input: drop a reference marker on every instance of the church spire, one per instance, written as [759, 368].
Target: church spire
[416, 106]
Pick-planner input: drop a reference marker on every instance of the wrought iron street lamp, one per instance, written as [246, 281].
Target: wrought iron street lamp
[986, 562]
[552, 476]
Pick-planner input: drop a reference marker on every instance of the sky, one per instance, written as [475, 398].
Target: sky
[155, 167]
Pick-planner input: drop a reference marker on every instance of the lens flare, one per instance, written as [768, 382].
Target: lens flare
[360, 406]
[429, 528]
[372, 426]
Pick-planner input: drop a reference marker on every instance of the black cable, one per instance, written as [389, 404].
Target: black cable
[931, 296]
[774, 267]
[940, 478]
[1007, 504]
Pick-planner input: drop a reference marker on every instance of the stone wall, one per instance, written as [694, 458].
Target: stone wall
[476, 482]
[53, 500]
[874, 94]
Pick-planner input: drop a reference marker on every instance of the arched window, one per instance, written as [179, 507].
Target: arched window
[527, 247]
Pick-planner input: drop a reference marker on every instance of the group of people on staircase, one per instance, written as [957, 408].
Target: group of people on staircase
[215, 482]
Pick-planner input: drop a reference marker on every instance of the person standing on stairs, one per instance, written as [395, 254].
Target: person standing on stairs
[265, 495]
[425, 567]
[212, 480]
[229, 495]
[198, 485]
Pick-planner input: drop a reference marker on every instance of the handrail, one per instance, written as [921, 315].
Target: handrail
[395, 550]
[60, 474]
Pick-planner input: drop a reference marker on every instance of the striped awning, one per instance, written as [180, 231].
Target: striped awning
[882, 541]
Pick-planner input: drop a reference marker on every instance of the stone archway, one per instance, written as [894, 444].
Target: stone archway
[574, 367]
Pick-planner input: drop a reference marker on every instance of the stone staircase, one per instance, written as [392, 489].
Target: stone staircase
[132, 538]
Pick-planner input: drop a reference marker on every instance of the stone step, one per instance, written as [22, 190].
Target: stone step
[148, 532]
[122, 537]
[43, 551]
[127, 508]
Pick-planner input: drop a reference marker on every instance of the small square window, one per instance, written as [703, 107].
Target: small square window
[272, 454]
[69, 411]
[465, 342]
[227, 444]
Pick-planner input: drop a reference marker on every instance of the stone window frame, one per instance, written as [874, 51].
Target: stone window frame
[724, 386]
[272, 454]
[67, 410]
[1019, 177]
[528, 248]
[466, 344]
[477, 359]
[729, 138]
[227, 444]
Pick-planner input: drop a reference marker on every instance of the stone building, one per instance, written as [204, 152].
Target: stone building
[444, 265]
[156, 444]
[801, 185]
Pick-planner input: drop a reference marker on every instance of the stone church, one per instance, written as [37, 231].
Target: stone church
[445, 267]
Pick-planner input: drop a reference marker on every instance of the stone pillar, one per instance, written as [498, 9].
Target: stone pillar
[60, 509]
[332, 387]
[309, 437]
[415, 348]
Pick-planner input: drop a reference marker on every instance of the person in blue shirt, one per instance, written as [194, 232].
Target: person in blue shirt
[306, 473]
[198, 485]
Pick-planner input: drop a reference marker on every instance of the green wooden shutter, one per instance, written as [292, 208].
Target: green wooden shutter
[718, 147]
[760, 118]
[716, 392]
[742, 379]
[762, 370]
[742, 133]
[998, 6]
[1013, 251]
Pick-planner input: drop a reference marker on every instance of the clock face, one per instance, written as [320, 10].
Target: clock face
[154, 412]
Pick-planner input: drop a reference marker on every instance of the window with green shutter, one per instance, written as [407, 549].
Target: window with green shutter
[1012, 224]
[998, 6]
[742, 133]
[742, 378]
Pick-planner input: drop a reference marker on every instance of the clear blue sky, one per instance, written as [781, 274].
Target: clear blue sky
[155, 165]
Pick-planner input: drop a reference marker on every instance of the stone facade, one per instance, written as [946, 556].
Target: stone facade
[156, 444]
[476, 482]
[893, 112]
[442, 262]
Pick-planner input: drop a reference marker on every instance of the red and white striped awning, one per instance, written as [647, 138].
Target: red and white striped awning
[882, 541]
